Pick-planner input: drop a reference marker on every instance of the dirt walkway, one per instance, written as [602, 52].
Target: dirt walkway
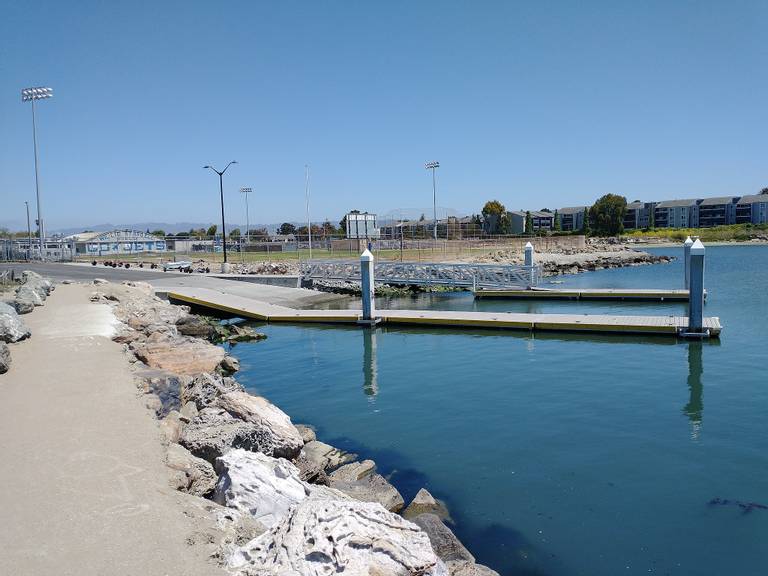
[83, 487]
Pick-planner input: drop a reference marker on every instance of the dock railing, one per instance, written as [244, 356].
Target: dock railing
[427, 273]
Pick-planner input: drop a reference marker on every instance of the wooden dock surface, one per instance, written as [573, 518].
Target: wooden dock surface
[254, 309]
[638, 294]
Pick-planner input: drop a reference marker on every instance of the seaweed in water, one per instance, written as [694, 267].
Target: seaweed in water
[746, 507]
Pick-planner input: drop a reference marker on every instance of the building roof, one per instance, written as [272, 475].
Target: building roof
[718, 201]
[635, 205]
[113, 236]
[754, 199]
[534, 213]
[572, 210]
[676, 203]
[82, 236]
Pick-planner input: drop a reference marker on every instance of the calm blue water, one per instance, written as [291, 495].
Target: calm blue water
[558, 455]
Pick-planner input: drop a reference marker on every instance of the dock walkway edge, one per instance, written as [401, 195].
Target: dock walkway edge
[265, 312]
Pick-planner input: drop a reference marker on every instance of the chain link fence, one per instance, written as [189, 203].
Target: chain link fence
[410, 246]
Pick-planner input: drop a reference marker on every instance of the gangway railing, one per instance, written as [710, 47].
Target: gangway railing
[472, 276]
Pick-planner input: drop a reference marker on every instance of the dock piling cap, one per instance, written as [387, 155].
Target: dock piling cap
[366, 256]
[698, 248]
[528, 246]
[688, 241]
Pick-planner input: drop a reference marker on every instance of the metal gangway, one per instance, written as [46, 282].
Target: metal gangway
[472, 276]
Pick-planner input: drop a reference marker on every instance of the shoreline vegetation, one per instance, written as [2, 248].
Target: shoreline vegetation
[285, 502]
[741, 233]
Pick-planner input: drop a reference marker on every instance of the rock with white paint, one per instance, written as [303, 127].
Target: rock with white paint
[189, 473]
[320, 537]
[12, 328]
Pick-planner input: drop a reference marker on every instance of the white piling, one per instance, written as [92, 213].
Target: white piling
[687, 261]
[529, 263]
[367, 286]
[696, 289]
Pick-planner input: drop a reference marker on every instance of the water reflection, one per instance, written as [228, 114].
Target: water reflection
[370, 365]
[695, 407]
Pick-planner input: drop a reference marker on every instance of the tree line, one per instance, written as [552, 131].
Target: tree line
[604, 218]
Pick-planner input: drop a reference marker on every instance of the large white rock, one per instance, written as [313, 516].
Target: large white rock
[12, 329]
[263, 486]
[321, 537]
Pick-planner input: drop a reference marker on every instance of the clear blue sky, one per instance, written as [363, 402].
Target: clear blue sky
[533, 103]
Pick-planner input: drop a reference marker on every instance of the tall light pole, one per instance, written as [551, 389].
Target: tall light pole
[245, 192]
[30, 95]
[221, 191]
[29, 234]
[433, 166]
[306, 193]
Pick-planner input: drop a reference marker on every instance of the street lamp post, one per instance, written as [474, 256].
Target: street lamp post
[221, 192]
[433, 166]
[30, 95]
[29, 234]
[245, 192]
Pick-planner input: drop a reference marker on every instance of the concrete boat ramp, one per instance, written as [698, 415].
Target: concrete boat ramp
[596, 323]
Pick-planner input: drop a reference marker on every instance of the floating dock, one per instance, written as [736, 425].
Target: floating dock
[587, 294]
[262, 311]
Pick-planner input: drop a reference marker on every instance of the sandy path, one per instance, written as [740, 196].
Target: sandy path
[83, 486]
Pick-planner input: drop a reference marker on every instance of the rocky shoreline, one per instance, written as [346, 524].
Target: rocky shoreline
[285, 502]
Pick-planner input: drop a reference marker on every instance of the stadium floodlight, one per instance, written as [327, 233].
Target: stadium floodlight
[221, 192]
[245, 192]
[39, 93]
[30, 95]
[432, 166]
